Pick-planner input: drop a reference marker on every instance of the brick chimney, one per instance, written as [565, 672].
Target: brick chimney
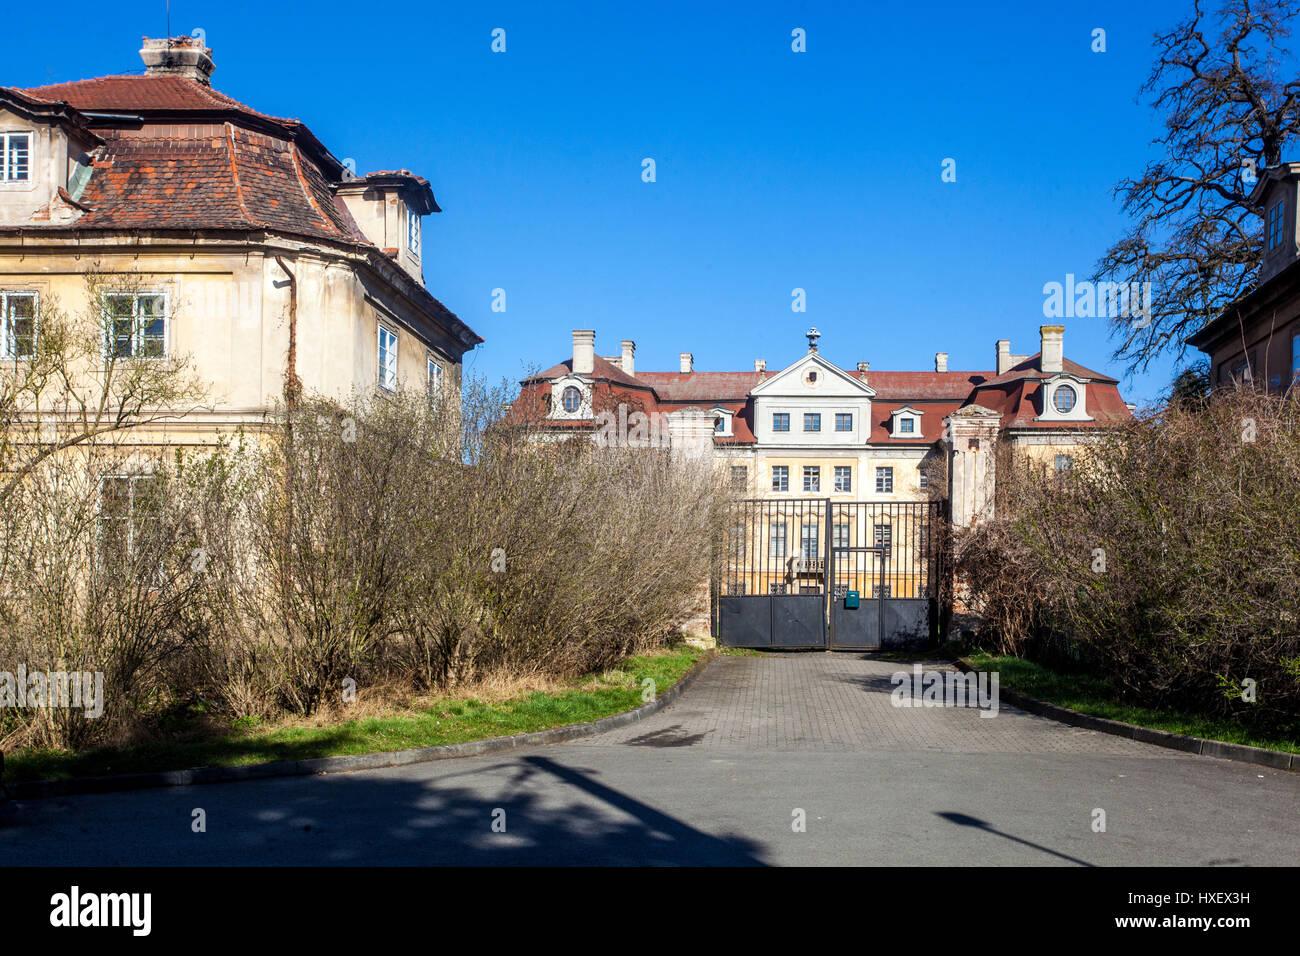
[941, 361]
[180, 56]
[584, 351]
[629, 357]
[1053, 337]
[687, 363]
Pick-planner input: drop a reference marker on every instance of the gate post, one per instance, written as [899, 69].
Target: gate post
[827, 574]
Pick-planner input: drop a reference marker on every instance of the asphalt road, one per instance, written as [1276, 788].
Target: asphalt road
[723, 776]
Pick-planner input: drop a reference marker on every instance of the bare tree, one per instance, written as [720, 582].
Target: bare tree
[1229, 112]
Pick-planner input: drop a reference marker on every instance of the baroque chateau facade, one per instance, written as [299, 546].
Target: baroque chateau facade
[812, 429]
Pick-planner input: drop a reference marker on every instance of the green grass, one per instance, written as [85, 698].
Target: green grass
[445, 721]
[1097, 697]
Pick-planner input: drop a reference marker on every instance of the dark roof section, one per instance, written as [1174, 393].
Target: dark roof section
[1227, 320]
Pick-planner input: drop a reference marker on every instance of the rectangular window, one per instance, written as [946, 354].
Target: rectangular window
[885, 480]
[844, 421]
[135, 324]
[840, 536]
[780, 477]
[15, 157]
[884, 535]
[907, 425]
[1064, 462]
[387, 359]
[739, 476]
[922, 480]
[780, 421]
[843, 478]
[126, 507]
[808, 542]
[413, 231]
[812, 422]
[17, 324]
[812, 478]
[776, 541]
[435, 383]
[1275, 225]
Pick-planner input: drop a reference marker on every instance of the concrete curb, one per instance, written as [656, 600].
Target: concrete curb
[1277, 759]
[36, 789]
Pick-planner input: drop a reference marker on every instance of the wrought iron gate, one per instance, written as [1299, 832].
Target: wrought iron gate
[813, 572]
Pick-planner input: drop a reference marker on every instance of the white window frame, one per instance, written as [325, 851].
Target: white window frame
[1047, 391]
[138, 324]
[812, 479]
[434, 383]
[6, 320]
[386, 370]
[900, 415]
[781, 473]
[884, 476]
[5, 173]
[413, 236]
[844, 472]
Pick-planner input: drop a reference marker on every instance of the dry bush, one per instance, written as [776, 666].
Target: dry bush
[1194, 514]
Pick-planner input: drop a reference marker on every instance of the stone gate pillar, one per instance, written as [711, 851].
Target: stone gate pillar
[971, 434]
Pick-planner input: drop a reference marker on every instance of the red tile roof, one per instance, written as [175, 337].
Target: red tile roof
[166, 92]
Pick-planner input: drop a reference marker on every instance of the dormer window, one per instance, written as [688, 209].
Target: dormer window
[907, 422]
[413, 231]
[571, 399]
[1275, 225]
[15, 157]
[721, 421]
[1064, 399]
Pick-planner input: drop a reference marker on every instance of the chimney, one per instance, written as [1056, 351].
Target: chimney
[584, 351]
[1053, 347]
[688, 363]
[180, 56]
[1004, 355]
[941, 361]
[863, 368]
[760, 365]
[629, 356]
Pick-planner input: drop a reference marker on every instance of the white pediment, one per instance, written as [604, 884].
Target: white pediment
[828, 381]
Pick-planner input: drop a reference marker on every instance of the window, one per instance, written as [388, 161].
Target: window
[1242, 373]
[739, 476]
[18, 328]
[906, 425]
[884, 535]
[1063, 463]
[738, 543]
[571, 398]
[126, 506]
[413, 231]
[840, 536]
[844, 421]
[922, 479]
[1063, 399]
[136, 325]
[435, 383]
[776, 541]
[387, 359]
[719, 424]
[780, 421]
[812, 478]
[885, 480]
[1275, 225]
[15, 157]
[843, 478]
[780, 477]
[1295, 357]
[812, 422]
[808, 542]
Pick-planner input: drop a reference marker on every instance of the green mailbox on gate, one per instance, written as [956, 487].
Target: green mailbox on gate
[851, 599]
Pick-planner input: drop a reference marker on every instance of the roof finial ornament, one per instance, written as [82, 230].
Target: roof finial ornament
[813, 336]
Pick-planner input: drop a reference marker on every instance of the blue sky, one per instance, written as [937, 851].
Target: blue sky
[775, 170]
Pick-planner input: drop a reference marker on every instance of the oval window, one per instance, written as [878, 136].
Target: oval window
[572, 398]
[1063, 399]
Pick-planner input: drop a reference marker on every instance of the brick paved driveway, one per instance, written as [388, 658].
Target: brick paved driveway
[814, 701]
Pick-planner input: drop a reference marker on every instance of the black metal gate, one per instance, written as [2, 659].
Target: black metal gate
[812, 572]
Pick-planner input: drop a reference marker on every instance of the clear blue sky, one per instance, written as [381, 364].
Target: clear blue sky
[775, 169]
